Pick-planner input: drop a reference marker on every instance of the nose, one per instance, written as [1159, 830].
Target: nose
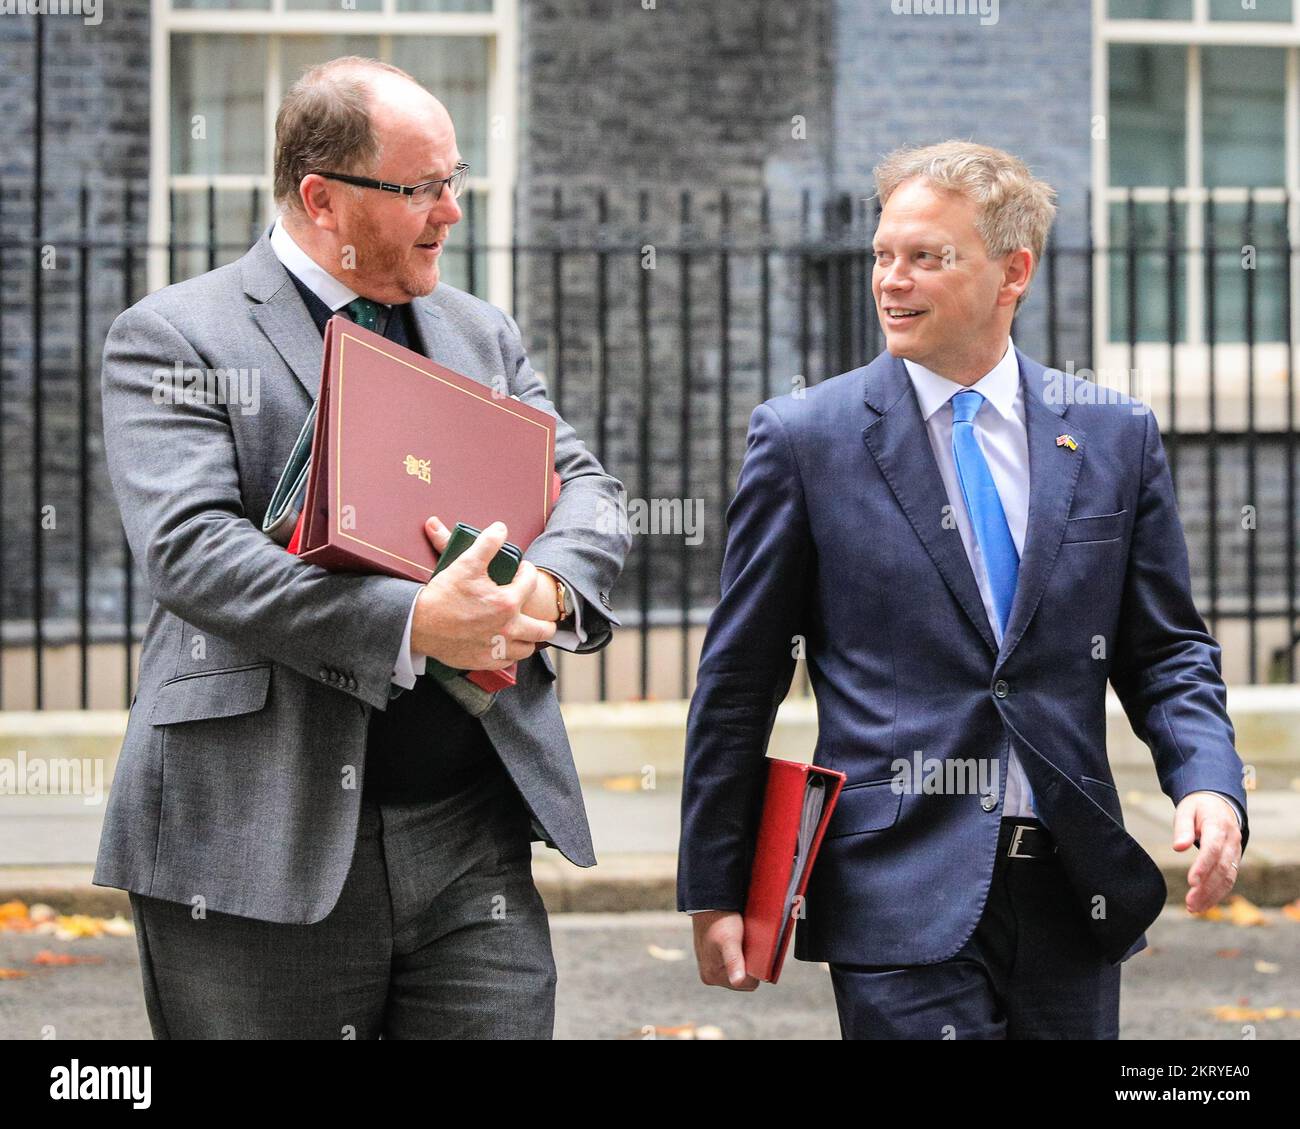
[894, 277]
[447, 209]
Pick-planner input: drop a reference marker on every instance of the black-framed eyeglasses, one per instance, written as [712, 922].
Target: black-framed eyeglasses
[423, 195]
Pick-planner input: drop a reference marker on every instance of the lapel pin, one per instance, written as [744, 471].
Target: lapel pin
[1067, 441]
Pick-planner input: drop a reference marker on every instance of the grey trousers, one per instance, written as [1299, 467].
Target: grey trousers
[439, 933]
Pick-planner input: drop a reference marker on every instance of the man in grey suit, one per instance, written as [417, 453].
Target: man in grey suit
[318, 841]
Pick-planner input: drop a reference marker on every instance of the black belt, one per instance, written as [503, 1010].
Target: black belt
[1021, 838]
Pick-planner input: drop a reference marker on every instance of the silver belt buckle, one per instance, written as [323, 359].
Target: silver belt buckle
[1013, 851]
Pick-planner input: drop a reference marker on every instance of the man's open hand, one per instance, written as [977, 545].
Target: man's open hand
[468, 621]
[718, 937]
[1209, 819]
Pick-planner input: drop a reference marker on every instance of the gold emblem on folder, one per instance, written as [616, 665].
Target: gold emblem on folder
[1067, 441]
[419, 468]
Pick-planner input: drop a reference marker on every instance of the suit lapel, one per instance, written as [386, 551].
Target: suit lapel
[1053, 473]
[281, 313]
[900, 444]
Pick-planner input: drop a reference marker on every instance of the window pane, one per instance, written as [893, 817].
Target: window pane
[1244, 119]
[444, 6]
[1236, 246]
[455, 70]
[1140, 251]
[221, 5]
[298, 52]
[217, 91]
[1151, 9]
[1266, 10]
[331, 5]
[1147, 114]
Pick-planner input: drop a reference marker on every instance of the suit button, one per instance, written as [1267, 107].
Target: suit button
[1000, 688]
[604, 599]
[988, 803]
[324, 675]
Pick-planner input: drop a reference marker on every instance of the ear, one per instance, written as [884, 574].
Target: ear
[319, 201]
[1017, 270]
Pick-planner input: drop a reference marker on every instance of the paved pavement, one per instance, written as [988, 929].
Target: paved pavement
[48, 846]
[631, 976]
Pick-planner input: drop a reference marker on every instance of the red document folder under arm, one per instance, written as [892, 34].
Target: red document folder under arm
[796, 810]
[399, 437]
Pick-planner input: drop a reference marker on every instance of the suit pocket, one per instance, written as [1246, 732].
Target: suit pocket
[1102, 527]
[211, 693]
[865, 807]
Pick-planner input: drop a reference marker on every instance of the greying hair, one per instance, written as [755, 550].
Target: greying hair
[1014, 209]
[324, 123]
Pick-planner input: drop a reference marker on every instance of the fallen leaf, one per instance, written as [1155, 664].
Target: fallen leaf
[1230, 954]
[118, 926]
[621, 783]
[11, 974]
[665, 954]
[45, 956]
[1238, 911]
[1292, 910]
[1266, 966]
[1244, 1014]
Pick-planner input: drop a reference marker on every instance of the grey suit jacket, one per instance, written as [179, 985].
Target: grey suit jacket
[239, 779]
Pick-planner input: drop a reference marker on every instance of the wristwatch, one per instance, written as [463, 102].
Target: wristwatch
[563, 599]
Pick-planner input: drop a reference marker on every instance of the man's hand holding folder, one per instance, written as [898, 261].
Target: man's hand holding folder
[719, 949]
[464, 619]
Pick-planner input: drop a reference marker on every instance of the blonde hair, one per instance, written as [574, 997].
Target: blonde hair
[1014, 208]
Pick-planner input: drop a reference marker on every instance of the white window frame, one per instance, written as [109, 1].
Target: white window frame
[1152, 359]
[499, 27]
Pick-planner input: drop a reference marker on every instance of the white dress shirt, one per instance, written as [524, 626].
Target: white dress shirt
[335, 295]
[1003, 439]
[1000, 432]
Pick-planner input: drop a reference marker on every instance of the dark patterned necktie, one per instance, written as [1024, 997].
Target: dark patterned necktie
[365, 313]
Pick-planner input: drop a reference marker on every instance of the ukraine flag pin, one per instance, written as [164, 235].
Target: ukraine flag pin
[1067, 441]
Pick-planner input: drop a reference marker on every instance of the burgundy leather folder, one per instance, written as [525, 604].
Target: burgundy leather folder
[400, 437]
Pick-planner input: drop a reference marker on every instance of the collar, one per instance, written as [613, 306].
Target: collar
[998, 386]
[309, 272]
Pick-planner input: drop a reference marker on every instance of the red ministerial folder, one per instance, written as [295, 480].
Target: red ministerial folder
[796, 809]
[399, 437]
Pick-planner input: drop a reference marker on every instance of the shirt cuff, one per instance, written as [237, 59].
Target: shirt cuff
[1236, 807]
[569, 640]
[409, 665]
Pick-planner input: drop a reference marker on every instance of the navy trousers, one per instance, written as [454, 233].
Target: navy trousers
[1030, 970]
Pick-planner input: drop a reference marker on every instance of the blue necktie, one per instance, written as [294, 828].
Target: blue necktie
[987, 517]
[983, 505]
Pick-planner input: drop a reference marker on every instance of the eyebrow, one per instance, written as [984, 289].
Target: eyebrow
[434, 176]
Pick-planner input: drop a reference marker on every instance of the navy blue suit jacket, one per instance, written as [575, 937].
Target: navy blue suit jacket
[837, 534]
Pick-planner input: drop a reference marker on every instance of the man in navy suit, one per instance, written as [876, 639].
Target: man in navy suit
[966, 547]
